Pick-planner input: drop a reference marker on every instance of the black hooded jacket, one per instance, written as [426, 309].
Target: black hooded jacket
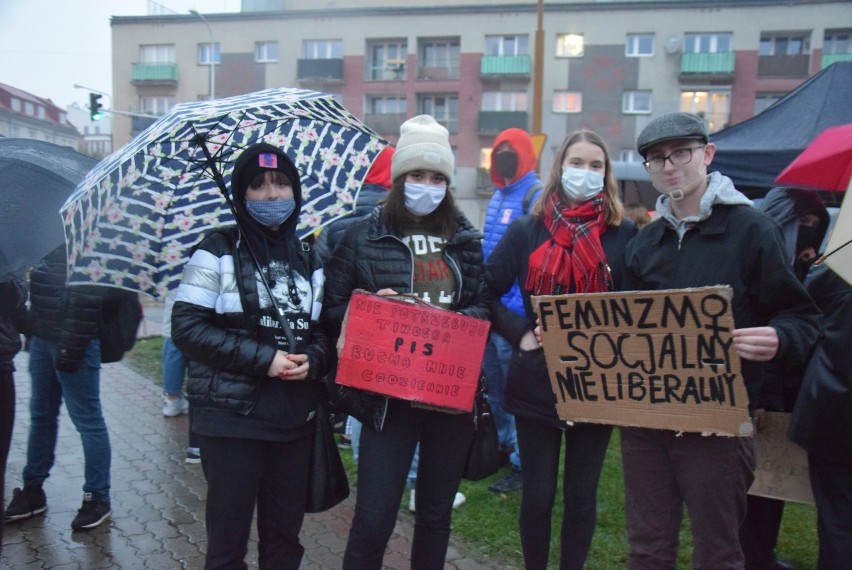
[222, 320]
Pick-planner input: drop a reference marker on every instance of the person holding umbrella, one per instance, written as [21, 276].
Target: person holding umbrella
[245, 317]
[416, 242]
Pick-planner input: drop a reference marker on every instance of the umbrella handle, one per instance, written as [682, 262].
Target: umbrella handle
[832, 252]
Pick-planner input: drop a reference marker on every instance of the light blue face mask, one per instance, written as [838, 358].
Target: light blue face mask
[580, 184]
[270, 213]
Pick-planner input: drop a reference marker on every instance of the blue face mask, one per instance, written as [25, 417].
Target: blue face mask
[270, 213]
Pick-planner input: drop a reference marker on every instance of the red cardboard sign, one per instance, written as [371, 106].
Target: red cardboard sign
[412, 351]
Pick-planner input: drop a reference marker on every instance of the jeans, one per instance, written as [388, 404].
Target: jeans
[585, 450]
[495, 363]
[242, 474]
[7, 420]
[355, 434]
[174, 368]
[663, 471]
[81, 392]
[382, 468]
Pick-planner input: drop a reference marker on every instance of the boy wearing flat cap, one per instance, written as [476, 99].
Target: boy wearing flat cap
[707, 234]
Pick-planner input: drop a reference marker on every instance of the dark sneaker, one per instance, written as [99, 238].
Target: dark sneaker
[91, 514]
[508, 484]
[193, 455]
[27, 502]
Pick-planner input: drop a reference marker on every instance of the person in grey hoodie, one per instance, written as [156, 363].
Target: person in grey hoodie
[707, 234]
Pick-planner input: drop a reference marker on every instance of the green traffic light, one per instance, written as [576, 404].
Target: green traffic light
[95, 113]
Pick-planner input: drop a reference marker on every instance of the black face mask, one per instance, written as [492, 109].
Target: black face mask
[807, 237]
[506, 164]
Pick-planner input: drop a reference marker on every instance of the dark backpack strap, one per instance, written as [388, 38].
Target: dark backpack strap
[528, 197]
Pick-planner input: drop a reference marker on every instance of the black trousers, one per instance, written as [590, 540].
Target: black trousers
[759, 532]
[7, 422]
[832, 486]
[242, 473]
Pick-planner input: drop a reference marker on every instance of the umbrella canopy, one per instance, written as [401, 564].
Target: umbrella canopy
[36, 177]
[826, 164]
[133, 220]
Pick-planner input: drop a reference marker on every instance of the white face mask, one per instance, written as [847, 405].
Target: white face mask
[580, 184]
[423, 199]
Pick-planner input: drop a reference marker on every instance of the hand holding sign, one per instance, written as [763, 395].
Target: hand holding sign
[756, 343]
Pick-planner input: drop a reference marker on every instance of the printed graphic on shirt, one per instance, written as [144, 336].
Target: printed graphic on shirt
[293, 295]
[434, 281]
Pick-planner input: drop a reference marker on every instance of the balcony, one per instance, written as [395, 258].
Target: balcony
[438, 73]
[829, 58]
[154, 74]
[493, 122]
[505, 67]
[320, 70]
[707, 67]
[385, 123]
[783, 65]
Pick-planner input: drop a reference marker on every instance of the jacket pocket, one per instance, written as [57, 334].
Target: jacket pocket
[528, 390]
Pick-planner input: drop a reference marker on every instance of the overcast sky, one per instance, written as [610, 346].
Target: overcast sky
[46, 46]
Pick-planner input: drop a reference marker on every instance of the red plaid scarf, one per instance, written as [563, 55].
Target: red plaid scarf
[572, 260]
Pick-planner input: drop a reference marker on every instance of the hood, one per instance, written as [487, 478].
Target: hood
[380, 171]
[720, 190]
[245, 169]
[787, 205]
[521, 143]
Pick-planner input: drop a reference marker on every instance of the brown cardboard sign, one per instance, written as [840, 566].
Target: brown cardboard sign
[657, 359]
[411, 350]
[782, 466]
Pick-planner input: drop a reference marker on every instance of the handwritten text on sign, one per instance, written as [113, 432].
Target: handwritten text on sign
[660, 359]
[411, 351]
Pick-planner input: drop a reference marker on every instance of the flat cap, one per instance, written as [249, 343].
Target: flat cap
[672, 126]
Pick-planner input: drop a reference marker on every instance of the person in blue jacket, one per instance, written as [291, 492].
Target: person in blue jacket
[516, 188]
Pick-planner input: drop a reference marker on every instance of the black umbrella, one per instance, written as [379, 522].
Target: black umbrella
[36, 178]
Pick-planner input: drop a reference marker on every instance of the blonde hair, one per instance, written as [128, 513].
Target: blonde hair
[614, 213]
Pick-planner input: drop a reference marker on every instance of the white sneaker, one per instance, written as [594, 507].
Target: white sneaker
[411, 501]
[459, 500]
[176, 407]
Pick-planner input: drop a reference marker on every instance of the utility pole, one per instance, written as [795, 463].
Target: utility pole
[212, 53]
[538, 69]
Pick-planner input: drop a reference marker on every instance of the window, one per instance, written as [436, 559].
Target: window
[443, 53]
[205, 57]
[507, 45]
[387, 60]
[445, 109]
[636, 102]
[40, 112]
[16, 104]
[788, 44]
[639, 45]
[29, 108]
[837, 42]
[567, 102]
[713, 106]
[323, 49]
[387, 104]
[569, 45]
[764, 100]
[156, 105]
[707, 43]
[164, 53]
[266, 52]
[504, 101]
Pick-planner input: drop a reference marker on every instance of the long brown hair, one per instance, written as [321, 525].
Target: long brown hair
[444, 220]
[614, 213]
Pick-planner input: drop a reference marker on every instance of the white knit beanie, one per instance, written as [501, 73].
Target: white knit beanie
[424, 144]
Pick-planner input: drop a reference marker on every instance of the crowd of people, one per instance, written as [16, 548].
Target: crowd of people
[250, 352]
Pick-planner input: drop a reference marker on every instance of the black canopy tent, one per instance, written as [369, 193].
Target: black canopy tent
[754, 152]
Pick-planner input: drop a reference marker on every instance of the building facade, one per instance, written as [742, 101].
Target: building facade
[610, 66]
[27, 116]
[97, 135]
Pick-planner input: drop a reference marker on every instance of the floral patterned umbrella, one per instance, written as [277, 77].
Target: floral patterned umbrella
[134, 218]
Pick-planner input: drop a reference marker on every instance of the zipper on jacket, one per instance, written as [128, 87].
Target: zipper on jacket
[457, 270]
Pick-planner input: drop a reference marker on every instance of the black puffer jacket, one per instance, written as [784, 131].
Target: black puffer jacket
[67, 316]
[371, 257]
[228, 365]
[368, 198]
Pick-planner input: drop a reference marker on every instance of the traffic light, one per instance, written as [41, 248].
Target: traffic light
[95, 107]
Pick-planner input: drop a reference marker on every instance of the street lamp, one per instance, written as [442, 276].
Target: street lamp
[212, 53]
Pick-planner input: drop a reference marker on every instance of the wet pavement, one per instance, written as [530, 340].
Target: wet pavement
[157, 499]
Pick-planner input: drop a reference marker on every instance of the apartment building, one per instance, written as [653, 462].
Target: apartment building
[27, 116]
[610, 66]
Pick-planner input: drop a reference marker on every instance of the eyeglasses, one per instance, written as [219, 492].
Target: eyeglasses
[678, 158]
